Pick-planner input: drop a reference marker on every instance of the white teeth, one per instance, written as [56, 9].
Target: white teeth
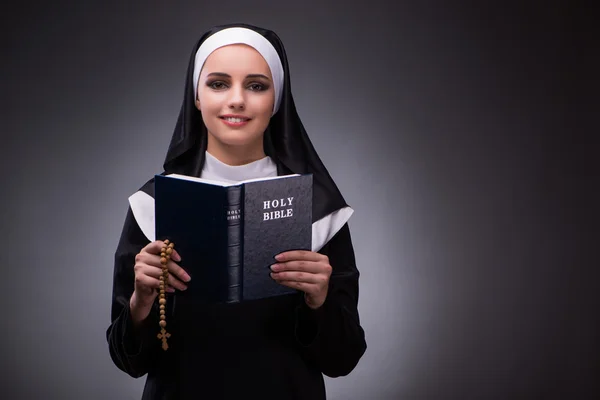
[235, 119]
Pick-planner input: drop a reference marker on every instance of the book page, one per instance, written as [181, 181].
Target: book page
[202, 180]
[226, 184]
[268, 178]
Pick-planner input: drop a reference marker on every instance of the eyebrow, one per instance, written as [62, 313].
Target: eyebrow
[222, 74]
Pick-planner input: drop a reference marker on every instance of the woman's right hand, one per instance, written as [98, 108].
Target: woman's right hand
[148, 270]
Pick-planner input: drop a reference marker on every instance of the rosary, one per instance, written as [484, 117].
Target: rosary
[165, 256]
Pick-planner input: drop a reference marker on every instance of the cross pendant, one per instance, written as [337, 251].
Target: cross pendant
[163, 335]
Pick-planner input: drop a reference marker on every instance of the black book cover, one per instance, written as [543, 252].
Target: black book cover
[228, 234]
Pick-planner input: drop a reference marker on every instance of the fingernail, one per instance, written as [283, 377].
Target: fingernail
[274, 267]
[187, 278]
[278, 257]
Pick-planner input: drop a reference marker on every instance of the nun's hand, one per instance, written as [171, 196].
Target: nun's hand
[306, 271]
[147, 271]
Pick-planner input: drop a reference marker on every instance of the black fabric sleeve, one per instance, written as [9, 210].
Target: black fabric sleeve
[133, 350]
[332, 336]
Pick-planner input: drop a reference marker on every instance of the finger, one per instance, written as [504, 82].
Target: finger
[149, 259]
[175, 256]
[295, 276]
[168, 289]
[176, 283]
[146, 281]
[154, 248]
[303, 286]
[155, 273]
[303, 266]
[153, 261]
[301, 255]
[179, 272]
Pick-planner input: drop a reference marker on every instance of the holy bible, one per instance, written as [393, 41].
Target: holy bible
[228, 234]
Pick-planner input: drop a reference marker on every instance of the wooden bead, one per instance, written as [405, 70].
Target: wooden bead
[165, 256]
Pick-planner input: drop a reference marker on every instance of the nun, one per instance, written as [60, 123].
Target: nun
[238, 121]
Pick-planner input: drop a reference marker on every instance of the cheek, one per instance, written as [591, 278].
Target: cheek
[266, 106]
[265, 114]
[208, 102]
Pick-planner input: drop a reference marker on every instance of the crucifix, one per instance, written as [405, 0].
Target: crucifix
[163, 335]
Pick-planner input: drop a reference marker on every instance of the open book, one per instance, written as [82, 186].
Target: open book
[229, 233]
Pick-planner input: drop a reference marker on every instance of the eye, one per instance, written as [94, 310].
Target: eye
[257, 87]
[217, 85]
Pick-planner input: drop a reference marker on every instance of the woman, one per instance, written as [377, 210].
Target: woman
[238, 121]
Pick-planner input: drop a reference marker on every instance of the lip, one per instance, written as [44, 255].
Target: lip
[234, 124]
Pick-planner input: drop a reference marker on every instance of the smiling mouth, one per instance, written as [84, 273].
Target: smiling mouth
[235, 120]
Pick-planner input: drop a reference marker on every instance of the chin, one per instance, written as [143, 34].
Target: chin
[237, 139]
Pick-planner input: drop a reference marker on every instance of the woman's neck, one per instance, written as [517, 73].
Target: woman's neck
[235, 155]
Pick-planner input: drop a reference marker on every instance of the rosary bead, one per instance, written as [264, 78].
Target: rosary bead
[165, 256]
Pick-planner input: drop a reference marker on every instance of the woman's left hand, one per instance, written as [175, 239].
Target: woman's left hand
[306, 271]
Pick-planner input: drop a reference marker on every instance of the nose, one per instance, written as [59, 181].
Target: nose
[236, 99]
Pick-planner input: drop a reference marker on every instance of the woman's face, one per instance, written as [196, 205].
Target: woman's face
[235, 97]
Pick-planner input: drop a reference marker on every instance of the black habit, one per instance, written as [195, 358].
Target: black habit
[276, 348]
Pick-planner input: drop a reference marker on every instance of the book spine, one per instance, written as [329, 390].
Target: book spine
[234, 243]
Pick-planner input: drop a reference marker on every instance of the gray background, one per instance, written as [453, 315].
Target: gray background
[444, 125]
